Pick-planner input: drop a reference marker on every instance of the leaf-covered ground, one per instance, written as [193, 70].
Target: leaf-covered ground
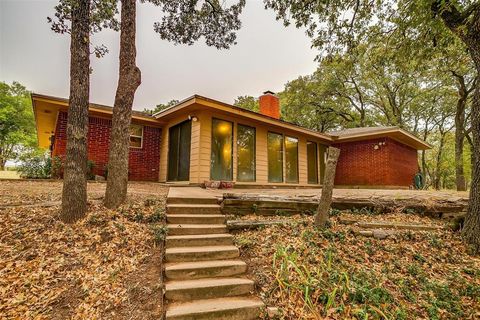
[333, 274]
[106, 266]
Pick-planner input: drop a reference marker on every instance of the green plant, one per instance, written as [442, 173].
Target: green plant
[334, 212]
[244, 241]
[157, 216]
[90, 167]
[150, 202]
[435, 242]
[35, 165]
[159, 233]
[57, 167]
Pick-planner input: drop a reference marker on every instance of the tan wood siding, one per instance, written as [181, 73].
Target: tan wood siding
[201, 149]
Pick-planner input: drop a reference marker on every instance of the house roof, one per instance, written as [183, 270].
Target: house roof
[356, 131]
[219, 105]
[46, 109]
[396, 133]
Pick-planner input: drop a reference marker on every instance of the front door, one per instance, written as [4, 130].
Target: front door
[179, 138]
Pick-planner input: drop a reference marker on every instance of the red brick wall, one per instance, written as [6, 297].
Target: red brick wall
[360, 164]
[403, 163]
[143, 163]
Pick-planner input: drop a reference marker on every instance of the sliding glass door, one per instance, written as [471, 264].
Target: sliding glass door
[179, 138]
[221, 156]
[245, 153]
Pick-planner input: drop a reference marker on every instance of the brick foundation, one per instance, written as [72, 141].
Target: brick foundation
[143, 163]
[391, 164]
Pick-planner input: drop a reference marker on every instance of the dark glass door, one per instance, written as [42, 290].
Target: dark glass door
[179, 138]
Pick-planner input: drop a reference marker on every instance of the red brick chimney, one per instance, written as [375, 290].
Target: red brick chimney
[270, 105]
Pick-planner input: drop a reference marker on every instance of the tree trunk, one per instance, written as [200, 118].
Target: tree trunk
[321, 217]
[2, 165]
[460, 133]
[128, 82]
[471, 231]
[74, 196]
[438, 165]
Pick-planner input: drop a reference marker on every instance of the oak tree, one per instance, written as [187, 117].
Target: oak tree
[79, 18]
[184, 22]
[339, 25]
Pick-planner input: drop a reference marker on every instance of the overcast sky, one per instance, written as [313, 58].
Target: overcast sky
[266, 57]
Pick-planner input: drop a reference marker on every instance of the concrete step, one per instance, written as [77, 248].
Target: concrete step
[193, 209]
[237, 308]
[202, 253]
[182, 290]
[222, 239]
[196, 218]
[184, 229]
[204, 269]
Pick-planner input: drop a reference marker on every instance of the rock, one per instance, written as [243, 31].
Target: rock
[99, 178]
[273, 312]
[377, 233]
[380, 234]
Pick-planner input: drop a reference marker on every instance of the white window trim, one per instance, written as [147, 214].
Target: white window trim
[135, 136]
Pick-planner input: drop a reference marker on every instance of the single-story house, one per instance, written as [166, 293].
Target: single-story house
[201, 139]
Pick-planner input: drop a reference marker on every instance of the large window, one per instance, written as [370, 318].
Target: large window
[136, 136]
[312, 162]
[275, 157]
[291, 160]
[221, 158]
[245, 153]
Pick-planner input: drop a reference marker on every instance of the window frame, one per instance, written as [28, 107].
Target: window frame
[285, 158]
[254, 152]
[136, 136]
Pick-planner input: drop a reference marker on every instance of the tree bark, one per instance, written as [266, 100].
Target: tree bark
[460, 132]
[321, 217]
[438, 165]
[466, 25]
[74, 194]
[128, 82]
[471, 230]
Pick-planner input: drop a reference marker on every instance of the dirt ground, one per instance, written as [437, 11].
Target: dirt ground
[107, 266]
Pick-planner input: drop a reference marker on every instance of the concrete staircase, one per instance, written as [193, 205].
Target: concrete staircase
[204, 277]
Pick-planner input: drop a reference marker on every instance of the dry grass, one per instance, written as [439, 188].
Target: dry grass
[9, 174]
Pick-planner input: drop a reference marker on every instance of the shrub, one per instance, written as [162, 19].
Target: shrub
[57, 167]
[90, 166]
[35, 165]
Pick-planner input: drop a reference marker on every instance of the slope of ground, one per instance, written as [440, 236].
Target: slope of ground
[333, 274]
[106, 266]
